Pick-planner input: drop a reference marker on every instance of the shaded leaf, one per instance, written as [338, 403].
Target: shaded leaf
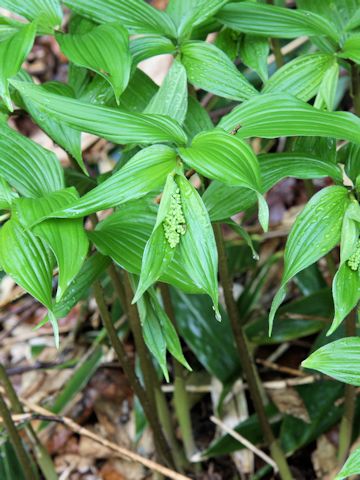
[351, 48]
[105, 50]
[210, 68]
[197, 119]
[254, 51]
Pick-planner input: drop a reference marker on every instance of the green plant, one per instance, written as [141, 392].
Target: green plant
[204, 174]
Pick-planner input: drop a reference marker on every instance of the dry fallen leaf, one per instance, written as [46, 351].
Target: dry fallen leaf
[288, 401]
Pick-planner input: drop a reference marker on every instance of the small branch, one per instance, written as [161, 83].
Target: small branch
[16, 442]
[121, 451]
[245, 442]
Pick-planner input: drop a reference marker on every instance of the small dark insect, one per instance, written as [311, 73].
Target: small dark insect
[235, 130]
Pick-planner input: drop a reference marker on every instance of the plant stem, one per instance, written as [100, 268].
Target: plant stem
[151, 380]
[43, 458]
[22, 455]
[181, 397]
[346, 425]
[161, 445]
[276, 46]
[246, 359]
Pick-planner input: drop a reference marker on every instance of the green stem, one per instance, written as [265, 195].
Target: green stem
[21, 454]
[42, 456]
[246, 359]
[276, 46]
[347, 421]
[161, 445]
[151, 380]
[181, 397]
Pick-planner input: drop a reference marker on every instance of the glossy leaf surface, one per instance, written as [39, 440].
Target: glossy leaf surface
[47, 13]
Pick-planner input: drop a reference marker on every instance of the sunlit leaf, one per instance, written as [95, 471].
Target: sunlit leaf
[47, 13]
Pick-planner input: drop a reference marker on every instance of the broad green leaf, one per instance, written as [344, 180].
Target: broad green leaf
[349, 155]
[66, 238]
[197, 119]
[221, 156]
[222, 201]
[8, 27]
[280, 115]
[31, 169]
[158, 252]
[7, 195]
[211, 342]
[24, 257]
[339, 12]
[148, 46]
[47, 13]
[301, 77]
[326, 96]
[79, 288]
[351, 467]
[188, 13]
[228, 41]
[197, 249]
[354, 22]
[136, 15]
[139, 92]
[339, 359]
[13, 52]
[123, 236]
[351, 48]
[68, 138]
[158, 331]
[319, 227]
[172, 97]
[211, 69]
[254, 51]
[146, 171]
[346, 294]
[272, 21]
[105, 50]
[110, 123]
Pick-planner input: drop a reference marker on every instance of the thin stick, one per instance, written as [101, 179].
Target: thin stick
[121, 451]
[160, 441]
[16, 442]
[246, 359]
[245, 442]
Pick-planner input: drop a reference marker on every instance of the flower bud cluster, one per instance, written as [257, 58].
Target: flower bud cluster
[174, 223]
[354, 260]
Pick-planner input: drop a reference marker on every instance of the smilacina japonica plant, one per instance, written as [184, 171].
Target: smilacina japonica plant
[229, 122]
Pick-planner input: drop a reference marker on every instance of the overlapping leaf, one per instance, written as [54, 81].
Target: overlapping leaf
[223, 201]
[281, 115]
[47, 13]
[148, 46]
[339, 359]
[113, 124]
[13, 52]
[31, 169]
[146, 171]
[301, 77]
[105, 50]
[66, 238]
[24, 257]
[272, 21]
[210, 68]
[222, 156]
[254, 51]
[136, 15]
[172, 97]
[315, 232]
[351, 467]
